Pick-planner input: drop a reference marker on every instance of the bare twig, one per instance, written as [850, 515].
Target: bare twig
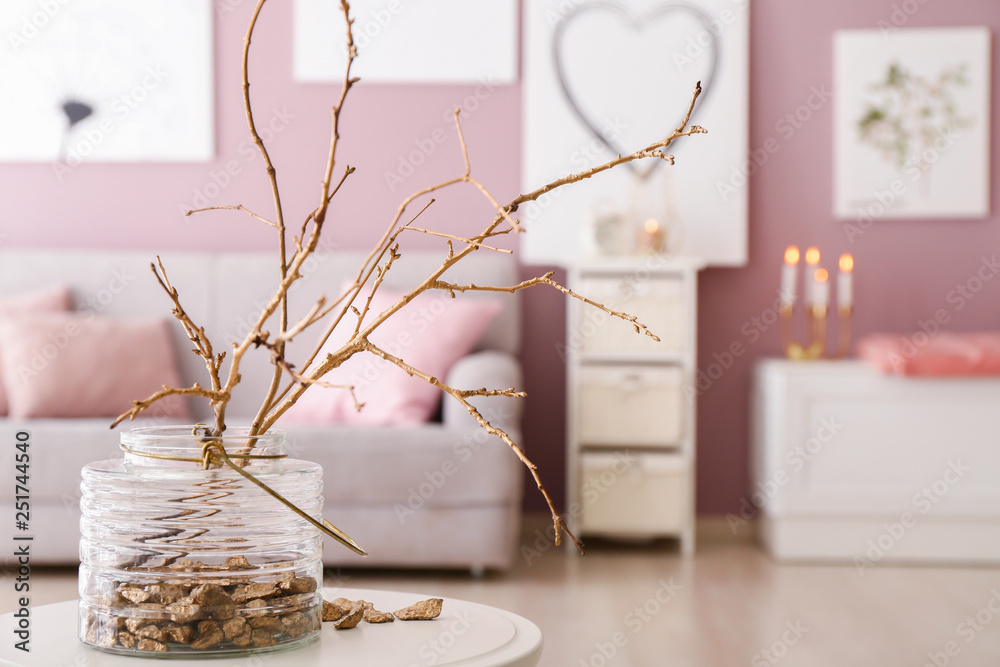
[239, 207]
[503, 214]
[144, 404]
[658, 153]
[305, 223]
[303, 323]
[319, 215]
[462, 397]
[511, 392]
[309, 382]
[279, 224]
[451, 288]
[379, 277]
[611, 164]
[202, 347]
[459, 238]
[392, 232]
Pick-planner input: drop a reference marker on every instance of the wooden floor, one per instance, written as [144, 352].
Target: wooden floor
[730, 605]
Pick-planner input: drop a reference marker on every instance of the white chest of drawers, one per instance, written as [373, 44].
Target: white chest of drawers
[631, 406]
[851, 465]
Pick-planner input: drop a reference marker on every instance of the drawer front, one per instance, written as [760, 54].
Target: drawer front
[641, 407]
[656, 302]
[626, 493]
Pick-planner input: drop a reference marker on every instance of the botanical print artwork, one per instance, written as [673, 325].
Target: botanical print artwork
[906, 113]
[911, 125]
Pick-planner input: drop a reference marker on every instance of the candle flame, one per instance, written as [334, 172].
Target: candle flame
[651, 226]
[846, 263]
[792, 255]
[821, 275]
[812, 256]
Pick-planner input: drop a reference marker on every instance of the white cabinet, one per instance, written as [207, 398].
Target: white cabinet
[631, 424]
[852, 465]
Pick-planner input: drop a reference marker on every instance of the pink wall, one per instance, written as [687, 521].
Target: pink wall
[905, 269]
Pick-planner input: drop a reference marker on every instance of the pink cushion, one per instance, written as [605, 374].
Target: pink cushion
[70, 365]
[946, 354]
[430, 333]
[53, 299]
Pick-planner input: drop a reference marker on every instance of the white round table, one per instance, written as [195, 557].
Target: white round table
[464, 635]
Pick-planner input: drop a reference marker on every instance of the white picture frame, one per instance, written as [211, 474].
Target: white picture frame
[403, 41]
[630, 67]
[107, 81]
[912, 124]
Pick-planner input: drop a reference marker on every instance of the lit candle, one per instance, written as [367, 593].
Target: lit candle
[812, 263]
[789, 275]
[812, 256]
[821, 288]
[845, 282]
[652, 239]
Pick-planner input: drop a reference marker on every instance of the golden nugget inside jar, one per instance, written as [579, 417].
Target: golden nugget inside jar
[180, 560]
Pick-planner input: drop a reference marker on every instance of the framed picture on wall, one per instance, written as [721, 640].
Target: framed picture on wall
[912, 123]
[609, 77]
[106, 81]
[401, 41]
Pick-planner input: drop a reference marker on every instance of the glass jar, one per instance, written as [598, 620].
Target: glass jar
[180, 560]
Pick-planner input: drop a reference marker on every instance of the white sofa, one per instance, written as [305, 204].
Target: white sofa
[441, 495]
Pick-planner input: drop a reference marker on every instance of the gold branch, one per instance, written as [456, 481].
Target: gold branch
[194, 390]
[305, 223]
[462, 397]
[239, 207]
[310, 382]
[379, 277]
[303, 323]
[248, 108]
[658, 153]
[196, 334]
[371, 273]
[220, 410]
[610, 164]
[319, 215]
[451, 288]
[509, 393]
[459, 238]
[371, 266]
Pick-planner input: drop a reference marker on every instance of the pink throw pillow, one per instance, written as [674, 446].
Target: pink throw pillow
[70, 365]
[430, 333]
[50, 300]
[943, 355]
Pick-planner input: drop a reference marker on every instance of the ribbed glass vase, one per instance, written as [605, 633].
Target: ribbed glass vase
[177, 560]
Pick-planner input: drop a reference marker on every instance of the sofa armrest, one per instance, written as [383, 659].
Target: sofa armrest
[492, 370]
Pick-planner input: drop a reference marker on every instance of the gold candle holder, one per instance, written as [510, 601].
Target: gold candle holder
[844, 339]
[814, 346]
[818, 296]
